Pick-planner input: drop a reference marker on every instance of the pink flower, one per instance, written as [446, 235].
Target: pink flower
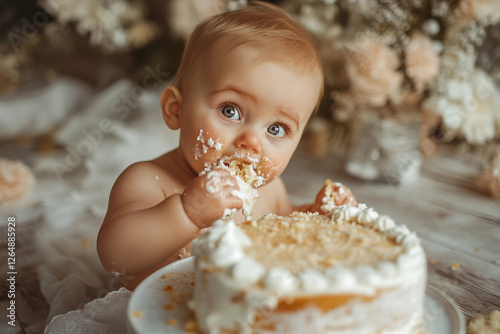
[422, 62]
[372, 70]
[478, 124]
[469, 10]
[184, 15]
[16, 180]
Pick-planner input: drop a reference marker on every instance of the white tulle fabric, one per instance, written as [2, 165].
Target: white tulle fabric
[71, 192]
[103, 315]
[34, 110]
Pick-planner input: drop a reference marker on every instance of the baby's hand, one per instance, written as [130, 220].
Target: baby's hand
[206, 197]
[331, 195]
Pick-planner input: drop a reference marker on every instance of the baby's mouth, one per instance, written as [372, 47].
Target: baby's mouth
[246, 171]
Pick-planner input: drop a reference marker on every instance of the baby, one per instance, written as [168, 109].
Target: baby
[247, 84]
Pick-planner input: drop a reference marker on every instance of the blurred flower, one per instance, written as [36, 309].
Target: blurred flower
[401, 57]
[106, 22]
[372, 68]
[16, 180]
[469, 10]
[184, 15]
[141, 33]
[9, 72]
[344, 107]
[489, 179]
[422, 62]
[478, 125]
[469, 107]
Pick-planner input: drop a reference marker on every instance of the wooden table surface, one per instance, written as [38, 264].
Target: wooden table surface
[457, 224]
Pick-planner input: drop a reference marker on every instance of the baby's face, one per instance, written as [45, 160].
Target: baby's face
[236, 108]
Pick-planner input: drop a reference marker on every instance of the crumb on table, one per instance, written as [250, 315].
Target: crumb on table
[137, 314]
[167, 275]
[480, 324]
[190, 326]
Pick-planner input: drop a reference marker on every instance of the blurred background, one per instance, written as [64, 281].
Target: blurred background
[410, 120]
[404, 79]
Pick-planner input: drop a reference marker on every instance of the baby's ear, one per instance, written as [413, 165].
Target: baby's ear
[171, 102]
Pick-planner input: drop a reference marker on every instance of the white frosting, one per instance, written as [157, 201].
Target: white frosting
[203, 145]
[280, 280]
[383, 223]
[247, 190]
[228, 213]
[223, 247]
[248, 271]
[340, 276]
[216, 183]
[313, 280]
[223, 243]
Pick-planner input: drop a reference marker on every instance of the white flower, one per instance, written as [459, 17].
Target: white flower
[431, 27]
[106, 22]
[479, 125]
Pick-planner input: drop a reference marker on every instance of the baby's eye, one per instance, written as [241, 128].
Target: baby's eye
[230, 111]
[276, 130]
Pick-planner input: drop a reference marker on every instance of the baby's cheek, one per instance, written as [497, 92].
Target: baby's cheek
[269, 169]
[208, 147]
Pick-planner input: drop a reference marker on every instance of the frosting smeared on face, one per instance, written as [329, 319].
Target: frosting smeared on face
[203, 145]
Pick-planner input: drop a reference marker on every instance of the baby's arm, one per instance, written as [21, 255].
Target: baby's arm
[145, 227]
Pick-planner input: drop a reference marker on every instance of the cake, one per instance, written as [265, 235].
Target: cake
[351, 271]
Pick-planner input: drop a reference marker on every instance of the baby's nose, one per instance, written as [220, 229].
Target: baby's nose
[249, 142]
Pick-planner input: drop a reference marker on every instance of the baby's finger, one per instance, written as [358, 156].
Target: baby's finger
[234, 202]
[321, 194]
[345, 197]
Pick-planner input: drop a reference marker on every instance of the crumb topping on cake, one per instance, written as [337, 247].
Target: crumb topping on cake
[351, 248]
[311, 241]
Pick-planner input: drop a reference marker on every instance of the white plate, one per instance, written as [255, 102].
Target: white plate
[441, 314]
[173, 286]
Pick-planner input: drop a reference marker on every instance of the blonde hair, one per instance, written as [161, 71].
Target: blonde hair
[261, 24]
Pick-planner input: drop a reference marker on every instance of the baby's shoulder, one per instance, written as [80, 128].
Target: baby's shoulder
[143, 170]
[153, 175]
[140, 175]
